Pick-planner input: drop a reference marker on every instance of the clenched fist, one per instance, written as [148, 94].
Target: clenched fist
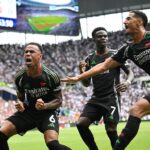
[19, 105]
[39, 104]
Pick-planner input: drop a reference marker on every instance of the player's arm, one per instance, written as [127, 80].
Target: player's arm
[122, 87]
[82, 68]
[53, 104]
[99, 68]
[129, 73]
[20, 105]
[21, 96]
[57, 101]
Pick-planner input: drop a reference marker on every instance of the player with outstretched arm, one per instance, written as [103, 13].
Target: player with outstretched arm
[137, 50]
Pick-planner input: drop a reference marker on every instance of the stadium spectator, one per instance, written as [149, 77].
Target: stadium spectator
[39, 96]
[138, 50]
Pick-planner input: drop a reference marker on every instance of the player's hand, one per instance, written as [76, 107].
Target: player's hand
[82, 65]
[19, 105]
[70, 79]
[39, 105]
[122, 87]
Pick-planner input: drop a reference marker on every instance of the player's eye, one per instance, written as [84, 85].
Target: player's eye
[29, 51]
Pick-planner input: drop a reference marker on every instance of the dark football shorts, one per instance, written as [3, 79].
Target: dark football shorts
[147, 97]
[27, 120]
[108, 110]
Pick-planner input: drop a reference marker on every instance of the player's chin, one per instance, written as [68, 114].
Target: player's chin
[129, 31]
[29, 64]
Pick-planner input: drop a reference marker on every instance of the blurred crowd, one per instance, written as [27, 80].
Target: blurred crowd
[7, 109]
[64, 58]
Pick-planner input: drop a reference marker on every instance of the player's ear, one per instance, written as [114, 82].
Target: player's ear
[41, 55]
[140, 21]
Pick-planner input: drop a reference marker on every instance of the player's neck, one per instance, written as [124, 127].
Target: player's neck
[139, 36]
[101, 51]
[34, 71]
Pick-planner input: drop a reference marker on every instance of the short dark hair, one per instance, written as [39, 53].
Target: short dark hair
[36, 44]
[141, 15]
[97, 29]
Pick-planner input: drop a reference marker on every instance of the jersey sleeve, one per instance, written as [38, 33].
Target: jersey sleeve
[18, 81]
[55, 82]
[122, 55]
[125, 68]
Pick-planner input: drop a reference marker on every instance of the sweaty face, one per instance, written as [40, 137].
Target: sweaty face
[101, 38]
[32, 55]
[132, 23]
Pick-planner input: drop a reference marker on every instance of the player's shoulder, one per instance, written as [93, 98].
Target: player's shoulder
[20, 71]
[49, 70]
[91, 55]
[88, 57]
[112, 50]
[147, 34]
[51, 73]
[126, 45]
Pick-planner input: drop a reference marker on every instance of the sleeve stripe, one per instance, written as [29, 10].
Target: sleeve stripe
[19, 73]
[53, 74]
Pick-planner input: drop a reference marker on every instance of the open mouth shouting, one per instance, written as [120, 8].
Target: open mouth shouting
[28, 61]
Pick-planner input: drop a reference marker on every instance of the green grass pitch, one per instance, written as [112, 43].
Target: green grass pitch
[45, 24]
[33, 140]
